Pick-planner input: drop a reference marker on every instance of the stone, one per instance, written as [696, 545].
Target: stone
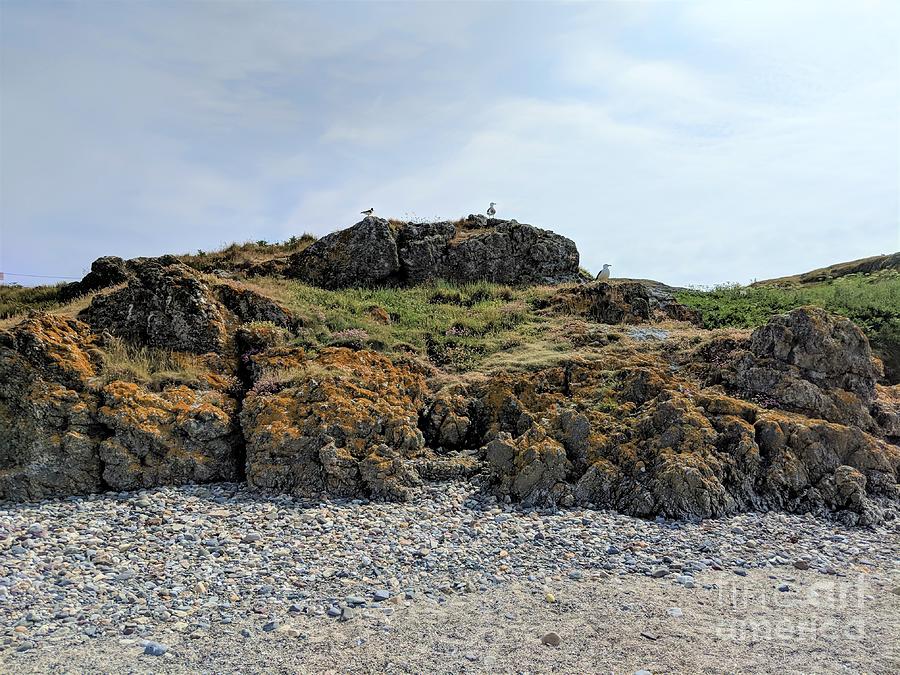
[381, 595]
[551, 639]
[270, 626]
[155, 648]
[675, 612]
[105, 272]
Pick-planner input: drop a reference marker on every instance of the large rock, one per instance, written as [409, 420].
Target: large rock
[808, 361]
[165, 306]
[376, 252]
[343, 426]
[362, 255]
[615, 302]
[173, 437]
[647, 443]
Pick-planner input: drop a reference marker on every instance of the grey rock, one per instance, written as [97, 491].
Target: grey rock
[155, 648]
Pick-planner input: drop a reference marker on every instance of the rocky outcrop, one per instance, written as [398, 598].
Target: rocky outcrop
[63, 432]
[173, 437]
[343, 427]
[377, 252]
[616, 302]
[165, 306]
[105, 272]
[48, 429]
[168, 305]
[810, 362]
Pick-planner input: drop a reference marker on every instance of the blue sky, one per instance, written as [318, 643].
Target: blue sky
[690, 142]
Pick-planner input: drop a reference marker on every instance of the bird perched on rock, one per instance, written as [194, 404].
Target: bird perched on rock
[491, 210]
[368, 212]
[604, 273]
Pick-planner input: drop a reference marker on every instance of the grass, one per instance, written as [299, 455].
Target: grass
[152, 367]
[871, 301]
[241, 256]
[454, 325]
[19, 299]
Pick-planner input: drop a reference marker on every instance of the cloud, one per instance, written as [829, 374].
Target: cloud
[691, 142]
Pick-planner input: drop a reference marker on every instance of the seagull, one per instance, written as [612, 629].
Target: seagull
[368, 212]
[604, 273]
[491, 210]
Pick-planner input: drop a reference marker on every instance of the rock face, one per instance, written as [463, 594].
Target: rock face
[343, 427]
[375, 252]
[48, 430]
[162, 306]
[63, 432]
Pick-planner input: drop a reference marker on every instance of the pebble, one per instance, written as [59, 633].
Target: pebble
[196, 556]
[642, 672]
[784, 588]
[155, 648]
[550, 639]
[675, 612]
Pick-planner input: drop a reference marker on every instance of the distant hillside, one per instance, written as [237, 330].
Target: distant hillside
[875, 263]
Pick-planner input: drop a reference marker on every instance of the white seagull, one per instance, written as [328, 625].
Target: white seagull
[491, 210]
[368, 212]
[604, 273]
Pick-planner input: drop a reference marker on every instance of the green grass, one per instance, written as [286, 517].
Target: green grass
[19, 299]
[454, 325]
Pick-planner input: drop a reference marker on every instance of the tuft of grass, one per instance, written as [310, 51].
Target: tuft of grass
[151, 367]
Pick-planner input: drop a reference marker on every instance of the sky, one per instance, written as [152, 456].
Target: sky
[695, 143]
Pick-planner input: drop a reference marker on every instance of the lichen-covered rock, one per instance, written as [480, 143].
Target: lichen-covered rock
[532, 468]
[251, 306]
[48, 432]
[339, 429]
[446, 422]
[808, 361]
[165, 306]
[62, 434]
[375, 252]
[172, 437]
[646, 443]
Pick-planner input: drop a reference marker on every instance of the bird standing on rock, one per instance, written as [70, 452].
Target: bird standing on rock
[491, 210]
[368, 212]
[604, 273]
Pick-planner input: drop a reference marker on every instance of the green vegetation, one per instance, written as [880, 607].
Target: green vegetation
[19, 299]
[871, 301]
[455, 326]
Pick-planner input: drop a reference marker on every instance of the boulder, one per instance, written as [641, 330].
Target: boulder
[617, 302]
[163, 305]
[811, 362]
[63, 432]
[105, 272]
[362, 255]
[173, 437]
[377, 252]
[48, 430]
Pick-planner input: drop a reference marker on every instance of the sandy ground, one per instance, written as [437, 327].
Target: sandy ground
[612, 625]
